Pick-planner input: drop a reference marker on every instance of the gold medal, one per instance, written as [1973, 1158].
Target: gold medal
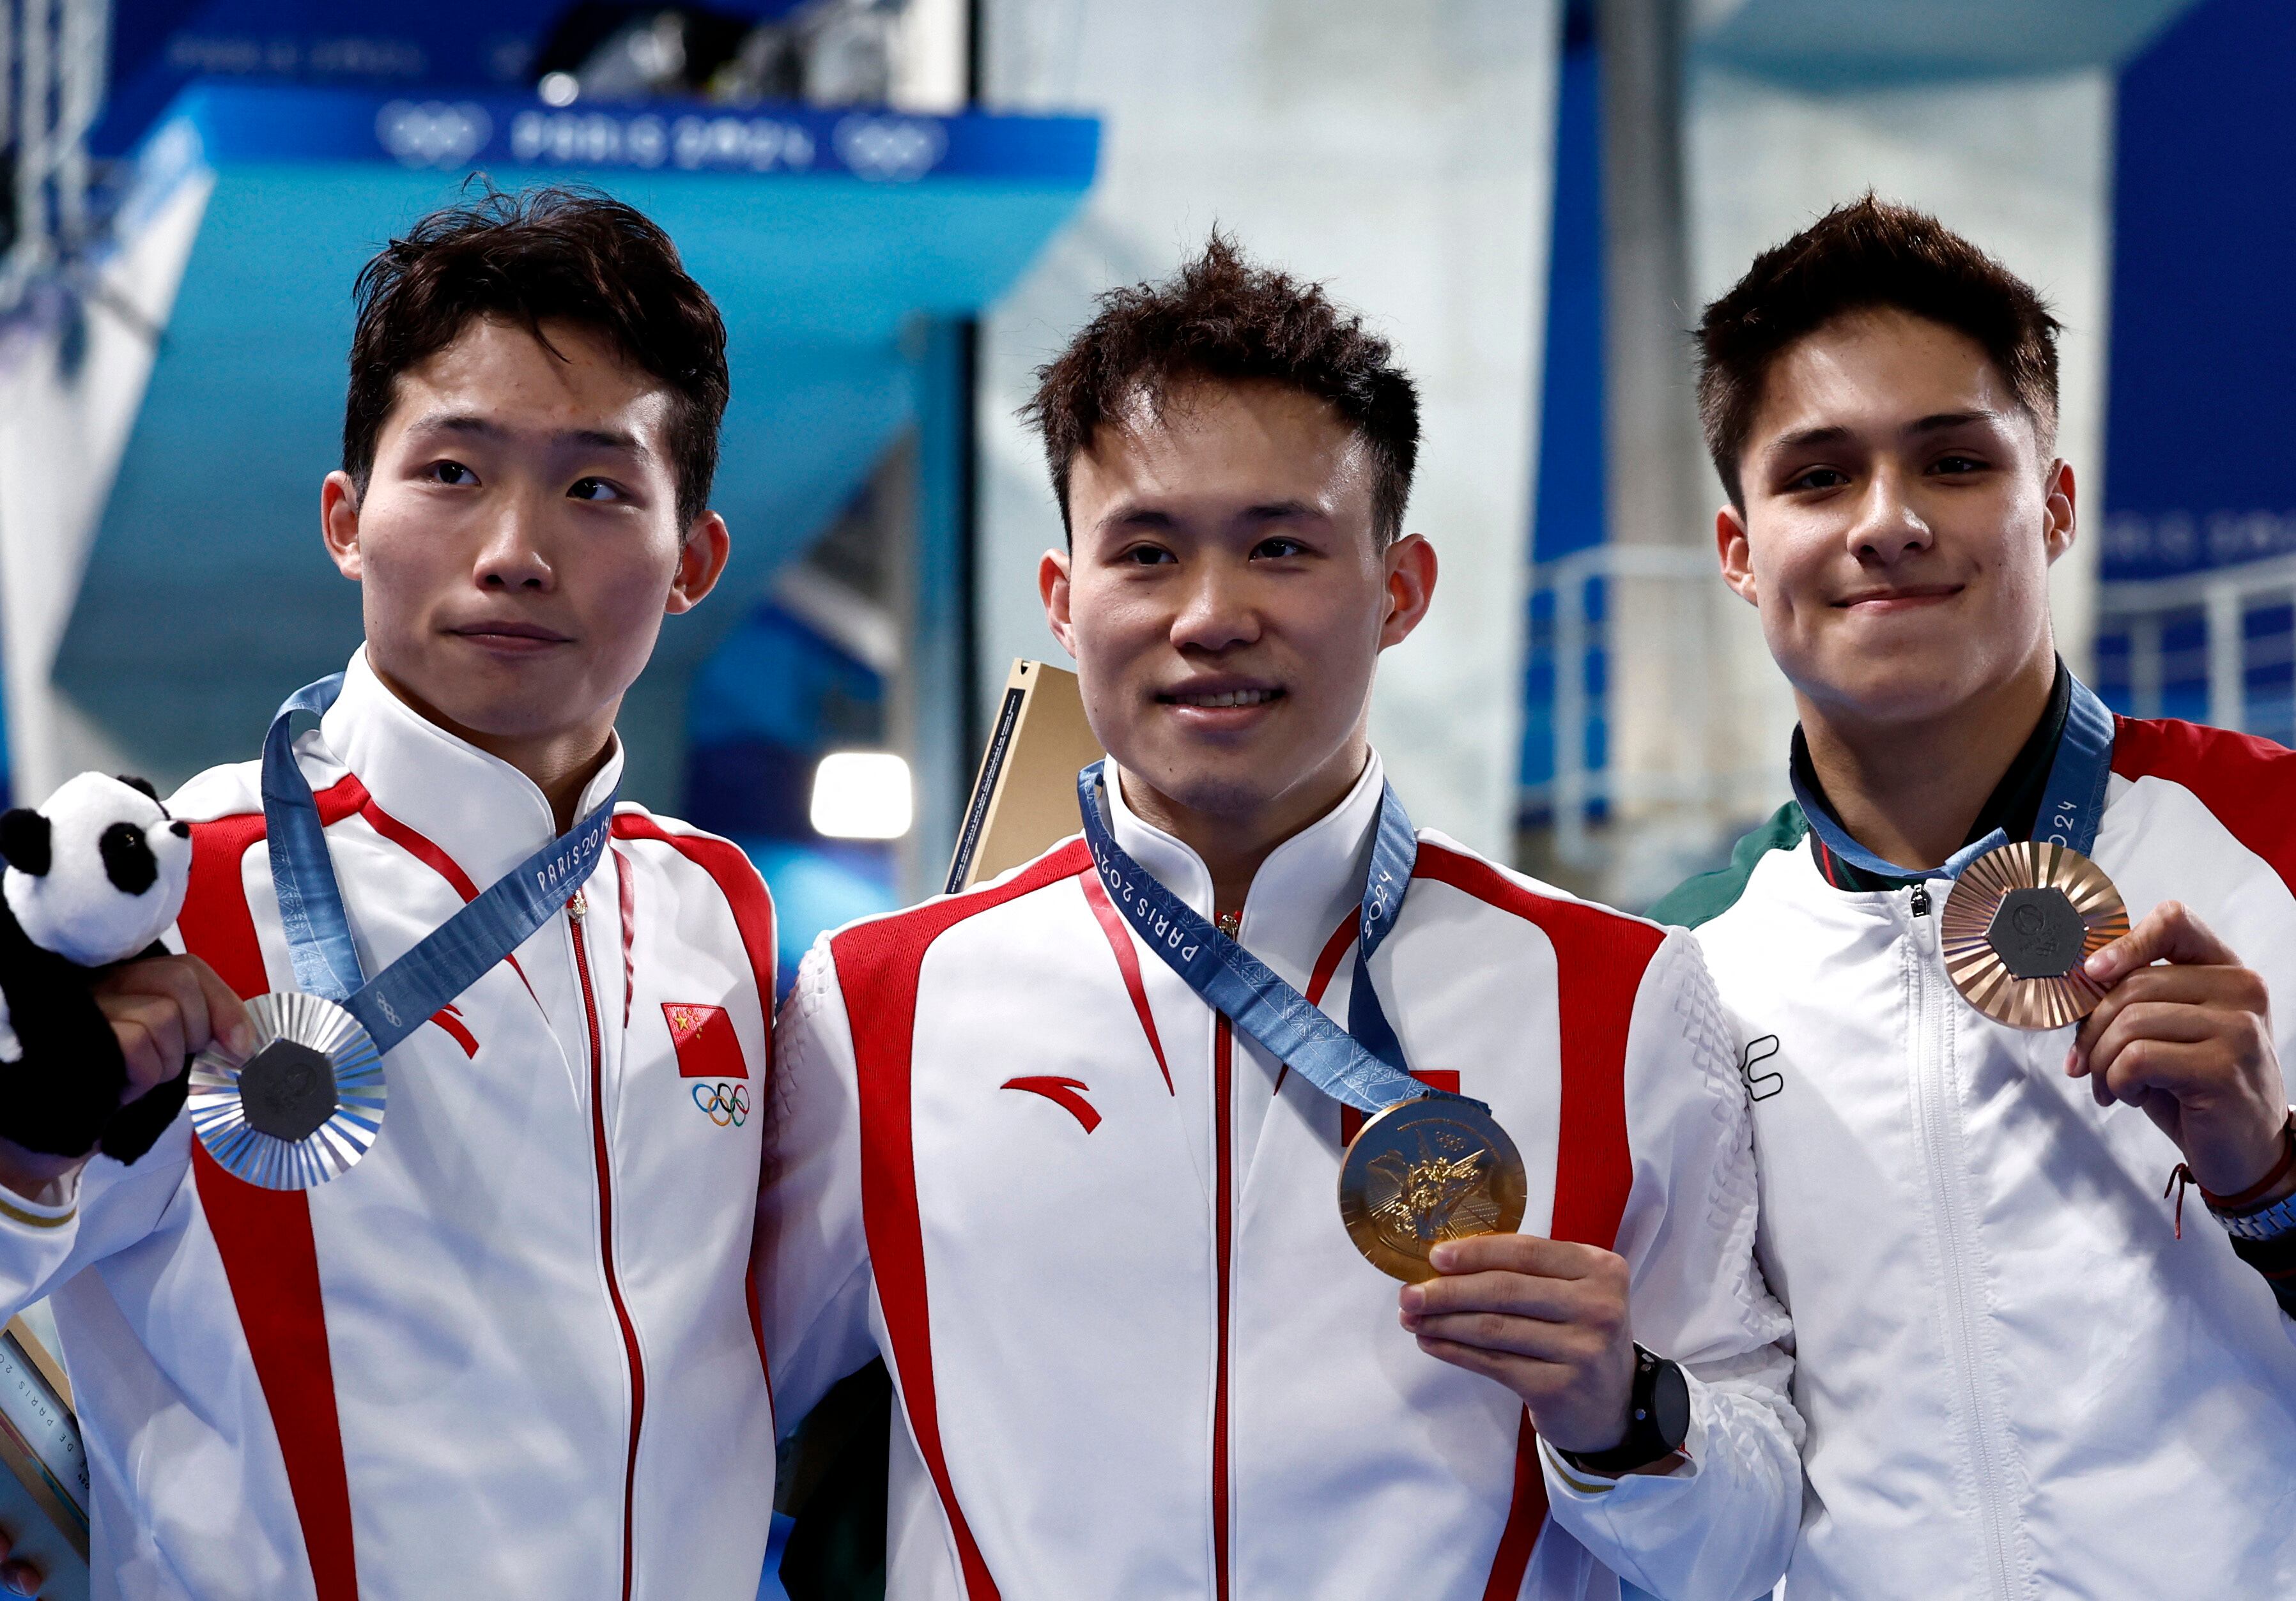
[2020, 921]
[1423, 1171]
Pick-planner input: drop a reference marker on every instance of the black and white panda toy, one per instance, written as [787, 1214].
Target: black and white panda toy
[95, 876]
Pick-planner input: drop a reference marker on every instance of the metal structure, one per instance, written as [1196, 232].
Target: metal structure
[53, 56]
[1720, 773]
[2217, 645]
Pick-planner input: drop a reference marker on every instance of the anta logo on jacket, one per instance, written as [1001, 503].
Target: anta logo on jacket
[1094, 1233]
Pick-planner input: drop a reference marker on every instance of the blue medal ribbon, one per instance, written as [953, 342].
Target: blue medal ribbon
[1361, 1064]
[2072, 804]
[402, 997]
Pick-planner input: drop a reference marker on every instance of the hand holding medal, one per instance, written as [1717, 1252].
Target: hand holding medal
[2035, 935]
[2184, 1030]
[1432, 1190]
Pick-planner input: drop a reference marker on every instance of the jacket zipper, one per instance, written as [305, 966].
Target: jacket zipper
[1940, 1139]
[578, 908]
[1224, 1206]
[1223, 1131]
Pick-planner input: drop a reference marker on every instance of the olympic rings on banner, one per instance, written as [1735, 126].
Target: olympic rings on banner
[726, 1104]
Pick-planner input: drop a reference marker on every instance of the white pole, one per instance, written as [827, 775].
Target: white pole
[7, 65]
[2144, 663]
[33, 85]
[1571, 713]
[2228, 660]
[79, 90]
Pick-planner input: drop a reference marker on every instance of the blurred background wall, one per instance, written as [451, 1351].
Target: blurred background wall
[905, 207]
[1402, 155]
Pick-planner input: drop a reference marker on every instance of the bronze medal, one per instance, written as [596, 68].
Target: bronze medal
[1423, 1171]
[2020, 921]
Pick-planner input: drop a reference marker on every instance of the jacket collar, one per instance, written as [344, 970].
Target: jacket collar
[478, 808]
[2013, 808]
[1301, 891]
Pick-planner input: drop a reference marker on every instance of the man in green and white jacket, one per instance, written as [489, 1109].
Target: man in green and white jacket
[2026, 1371]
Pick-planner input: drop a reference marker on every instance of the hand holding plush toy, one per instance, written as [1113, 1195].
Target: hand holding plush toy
[94, 879]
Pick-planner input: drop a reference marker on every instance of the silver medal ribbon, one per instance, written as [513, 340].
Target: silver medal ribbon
[307, 1102]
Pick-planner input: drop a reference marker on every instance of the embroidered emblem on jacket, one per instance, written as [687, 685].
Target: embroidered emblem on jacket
[728, 1105]
[704, 1037]
[1763, 1086]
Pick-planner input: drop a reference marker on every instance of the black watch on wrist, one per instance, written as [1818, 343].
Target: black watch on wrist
[1658, 1421]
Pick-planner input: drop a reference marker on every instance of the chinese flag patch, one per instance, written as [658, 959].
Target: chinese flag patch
[705, 1042]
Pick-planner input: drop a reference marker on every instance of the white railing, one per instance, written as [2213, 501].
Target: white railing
[1631, 632]
[54, 57]
[1621, 631]
[2217, 645]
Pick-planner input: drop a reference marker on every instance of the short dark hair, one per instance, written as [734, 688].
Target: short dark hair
[567, 253]
[1867, 255]
[1222, 318]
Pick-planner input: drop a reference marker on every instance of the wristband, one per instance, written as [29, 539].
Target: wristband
[2243, 1219]
[2235, 1203]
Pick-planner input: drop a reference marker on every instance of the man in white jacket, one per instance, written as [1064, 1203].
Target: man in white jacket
[510, 1351]
[2027, 1370]
[1089, 1221]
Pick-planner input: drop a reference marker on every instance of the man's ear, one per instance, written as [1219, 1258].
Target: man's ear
[338, 520]
[2060, 524]
[1052, 589]
[1737, 557]
[1411, 566]
[701, 562]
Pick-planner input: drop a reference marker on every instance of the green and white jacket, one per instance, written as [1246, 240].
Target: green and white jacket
[2019, 1380]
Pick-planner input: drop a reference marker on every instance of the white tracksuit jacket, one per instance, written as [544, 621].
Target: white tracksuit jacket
[1097, 1242]
[509, 1353]
[2019, 1382]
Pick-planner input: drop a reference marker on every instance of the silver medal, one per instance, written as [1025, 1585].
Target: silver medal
[305, 1104]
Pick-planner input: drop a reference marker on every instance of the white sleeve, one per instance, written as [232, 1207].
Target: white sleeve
[101, 1207]
[811, 1254]
[1720, 1527]
[86, 1215]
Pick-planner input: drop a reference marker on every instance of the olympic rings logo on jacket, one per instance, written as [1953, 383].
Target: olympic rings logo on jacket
[728, 1104]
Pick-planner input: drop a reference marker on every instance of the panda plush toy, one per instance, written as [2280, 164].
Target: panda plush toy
[94, 877]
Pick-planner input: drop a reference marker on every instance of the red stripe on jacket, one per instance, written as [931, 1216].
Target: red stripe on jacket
[356, 798]
[736, 877]
[1127, 962]
[264, 1236]
[428, 853]
[752, 906]
[1600, 958]
[1327, 964]
[2247, 783]
[878, 964]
